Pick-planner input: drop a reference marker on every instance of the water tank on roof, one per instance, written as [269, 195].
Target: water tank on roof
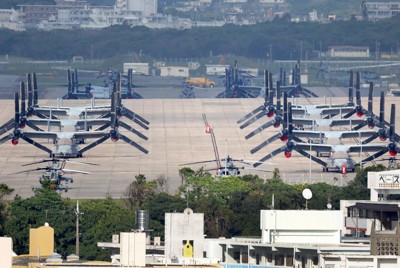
[142, 220]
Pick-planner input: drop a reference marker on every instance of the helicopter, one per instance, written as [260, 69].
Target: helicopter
[54, 174]
[225, 166]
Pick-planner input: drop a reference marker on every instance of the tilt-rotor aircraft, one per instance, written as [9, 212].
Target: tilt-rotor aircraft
[269, 109]
[336, 164]
[66, 142]
[100, 92]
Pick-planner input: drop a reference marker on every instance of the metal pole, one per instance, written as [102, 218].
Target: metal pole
[77, 229]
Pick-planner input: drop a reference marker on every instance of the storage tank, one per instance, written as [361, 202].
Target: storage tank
[142, 220]
[142, 223]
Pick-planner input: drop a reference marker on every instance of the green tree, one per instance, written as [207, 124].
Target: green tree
[45, 206]
[138, 191]
[100, 220]
[4, 191]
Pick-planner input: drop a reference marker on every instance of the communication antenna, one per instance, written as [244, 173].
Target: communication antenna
[307, 194]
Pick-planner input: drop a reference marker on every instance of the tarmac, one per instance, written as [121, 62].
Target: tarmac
[176, 136]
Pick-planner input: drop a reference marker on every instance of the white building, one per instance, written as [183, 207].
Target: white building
[176, 71]
[146, 7]
[272, 1]
[137, 67]
[184, 235]
[216, 69]
[380, 10]
[348, 52]
[6, 252]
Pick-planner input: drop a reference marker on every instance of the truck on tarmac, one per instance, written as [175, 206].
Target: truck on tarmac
[200, 82]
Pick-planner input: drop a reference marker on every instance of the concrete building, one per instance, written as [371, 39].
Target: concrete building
[277, 226]
[216, 69]
[348, 52]
[272, 1]
[137, 67]
[184, 235]
[145, 7]
[176, 71]
[132, 249]
[380, 10]
[41, 241]
[6, 252]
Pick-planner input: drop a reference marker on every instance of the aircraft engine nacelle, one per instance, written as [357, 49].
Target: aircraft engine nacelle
[392, 149]
[277, 122]
[16, 136]
[22, 123]
[285, 135]
[271, 111]
[370, 123]
[288, 149]
[359, 111]
[114, 135]
[382, 135]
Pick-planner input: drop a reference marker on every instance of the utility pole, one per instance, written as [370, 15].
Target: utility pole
[77, 213]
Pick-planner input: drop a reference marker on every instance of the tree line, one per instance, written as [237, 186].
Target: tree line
[231, 207]
[279, 39]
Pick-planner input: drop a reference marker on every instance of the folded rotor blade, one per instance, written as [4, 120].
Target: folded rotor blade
[93, 144]
[33, 126]
[6, 138]
[126, 110]
[265, 143]
[131, 129]
[253, 119]
[259, 129]
[376, 155]
[34, 143]
[131, 142]
[135, 118]
[9, 125]
[360, 126]
[252, 113]
[313, 158]
[274, 153]
[371, 138]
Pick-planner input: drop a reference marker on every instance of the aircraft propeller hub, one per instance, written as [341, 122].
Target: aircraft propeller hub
[270, 114]
[22, 125]
[383, 138]
[277, 124]
[288, 154]
[360, 113]
[14, 141]
[284, 138]
[114, 139]
[393, 152]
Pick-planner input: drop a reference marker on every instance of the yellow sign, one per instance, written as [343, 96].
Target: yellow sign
[188, 250]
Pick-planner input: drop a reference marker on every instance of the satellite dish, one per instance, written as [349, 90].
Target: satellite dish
[307, 194]
[329, 205]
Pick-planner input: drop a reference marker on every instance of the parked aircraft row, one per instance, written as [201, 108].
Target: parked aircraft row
[307, 132]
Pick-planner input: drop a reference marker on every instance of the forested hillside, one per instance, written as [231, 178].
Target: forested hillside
[285, 40]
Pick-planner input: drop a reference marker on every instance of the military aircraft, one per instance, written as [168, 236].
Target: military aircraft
[225, 166]
[65, 143]
[237, 84]
[101, 92]
[295, 143]
[54, 174]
